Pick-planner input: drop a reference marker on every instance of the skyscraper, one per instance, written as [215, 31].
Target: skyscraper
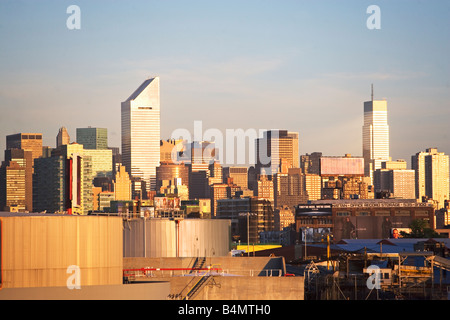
[26, 141]
[274, 146]
[122, 185]
[63, 182]
[11, 179]
[63, 137]
[432, 175]
[141, 132]
[375, 136]
[13, 187]
[93, 138]
[31, 144]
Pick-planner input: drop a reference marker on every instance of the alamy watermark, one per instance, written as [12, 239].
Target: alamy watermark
[74, 280]
[374, 20]
[373, 282]
[235, 147]
[73, 22]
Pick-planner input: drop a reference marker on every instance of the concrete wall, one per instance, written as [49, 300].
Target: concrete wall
[137, 291]
[235, 284]
[232, 265]
[241, 288]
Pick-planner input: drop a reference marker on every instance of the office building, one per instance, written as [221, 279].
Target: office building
[11, 180]
[395, 183]
[361, 218]
[26, 141]
[284, 217]
[140, 121]
[310, 163]
[313, 186]
[431, 175]
[201, 155]
[258, 212]
[218, 191]
[166, 172]
[171, 151]
[239, 176]
[289, 188]
[93, 138]
[343, 178]
[63, 182]
[265, 189]
[274, 146]
[102, 162]
[122, 185]
[63, 137]
[375, 136]
[12, 187]
[399, 164]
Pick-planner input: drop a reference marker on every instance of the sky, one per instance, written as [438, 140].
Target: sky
[304, 66]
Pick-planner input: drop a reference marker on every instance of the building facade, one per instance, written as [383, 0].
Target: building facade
[431, 175]
[140, 122]
[93, 138]
[26, 141]
[274, 146]
[360, 219]
[122, 185]
[62, 137]
[375, 134]
[11, 178]
[397, 183]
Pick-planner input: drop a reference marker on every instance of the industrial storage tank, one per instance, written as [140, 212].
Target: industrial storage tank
[44, 250]
[160, 237]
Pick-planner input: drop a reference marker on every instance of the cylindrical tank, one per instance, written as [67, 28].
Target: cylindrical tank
[176, 238]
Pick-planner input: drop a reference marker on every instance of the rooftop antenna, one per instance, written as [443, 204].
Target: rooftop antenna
[372, 92]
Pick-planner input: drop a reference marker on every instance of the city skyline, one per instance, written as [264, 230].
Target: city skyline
[253, 64]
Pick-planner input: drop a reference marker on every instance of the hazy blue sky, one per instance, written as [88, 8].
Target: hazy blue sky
[305, 66]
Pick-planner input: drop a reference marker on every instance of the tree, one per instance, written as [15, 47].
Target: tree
[420, 229]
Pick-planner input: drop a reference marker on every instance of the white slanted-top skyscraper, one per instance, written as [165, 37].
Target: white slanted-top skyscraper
[141, 132]
[375, 136]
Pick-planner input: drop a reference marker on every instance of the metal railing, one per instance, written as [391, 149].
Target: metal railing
[141, 273]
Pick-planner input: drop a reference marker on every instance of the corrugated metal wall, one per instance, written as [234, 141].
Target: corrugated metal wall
[171, 238]
[37, 250]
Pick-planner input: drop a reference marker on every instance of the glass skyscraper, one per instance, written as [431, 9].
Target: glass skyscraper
[375, 136]
[93, 138]
[141, 132]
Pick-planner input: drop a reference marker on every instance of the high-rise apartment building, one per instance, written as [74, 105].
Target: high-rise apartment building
[93, 138]
[140, 120]
[62, 137]
[431, 175]
[274, 146]
[375, 136]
